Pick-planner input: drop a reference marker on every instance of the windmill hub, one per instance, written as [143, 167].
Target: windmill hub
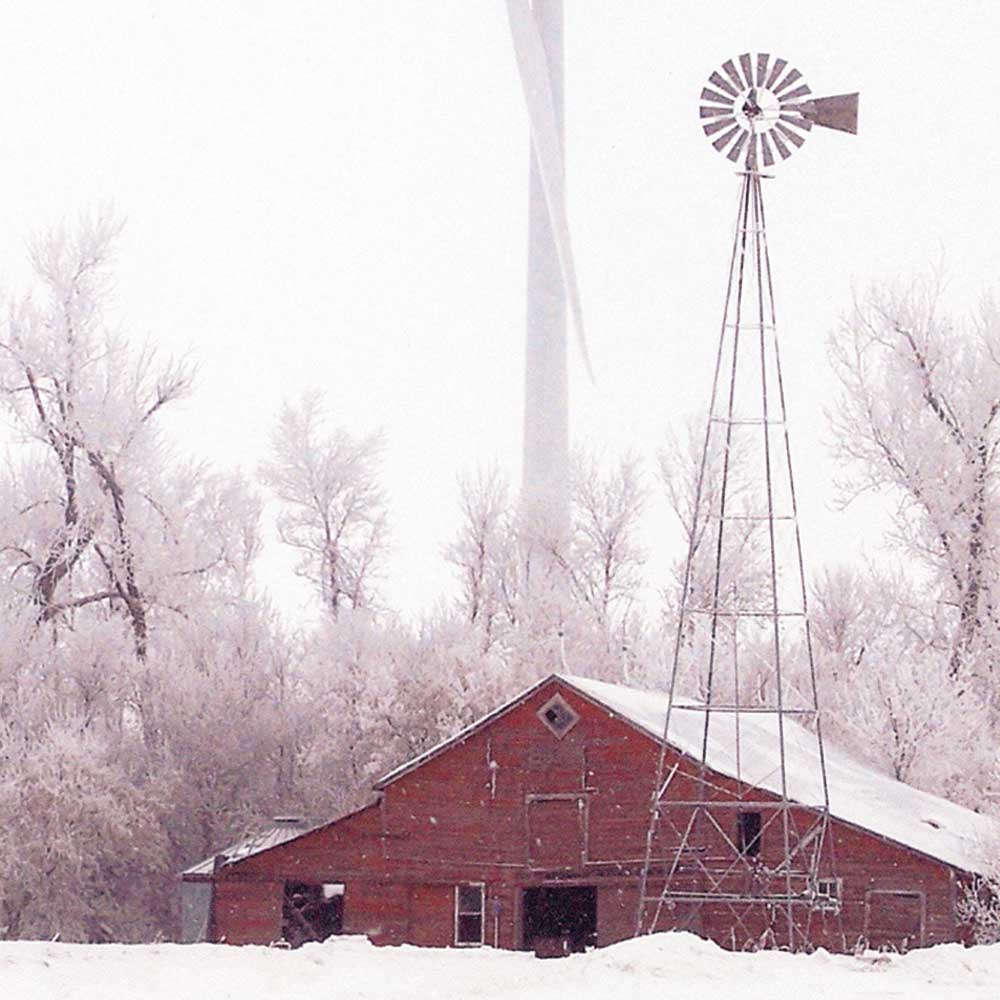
[751, 108]
[759, 110]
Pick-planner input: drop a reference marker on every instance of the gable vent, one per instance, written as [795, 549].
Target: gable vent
[558, 716]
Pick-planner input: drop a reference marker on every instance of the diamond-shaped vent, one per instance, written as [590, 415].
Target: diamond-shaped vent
[558, 716]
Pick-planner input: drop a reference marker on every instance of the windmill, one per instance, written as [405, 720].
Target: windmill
[749, 861]
[536, 31]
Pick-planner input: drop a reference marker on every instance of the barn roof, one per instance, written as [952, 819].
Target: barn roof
[858, 795]
[280, 832]
[263, 840]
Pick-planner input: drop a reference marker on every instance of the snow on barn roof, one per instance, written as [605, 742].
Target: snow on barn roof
[273, 836]
[858, 795]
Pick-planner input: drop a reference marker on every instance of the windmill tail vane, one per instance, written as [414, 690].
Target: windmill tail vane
[738, 844]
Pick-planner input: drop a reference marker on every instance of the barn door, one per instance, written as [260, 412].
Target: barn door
[894, 919]
[556, 831]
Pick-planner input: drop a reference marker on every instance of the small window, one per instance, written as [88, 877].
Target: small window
[558, 716]
[748, 834]
[469, 922]
[827, 895]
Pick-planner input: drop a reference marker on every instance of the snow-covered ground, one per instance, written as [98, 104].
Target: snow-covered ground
[661, 966]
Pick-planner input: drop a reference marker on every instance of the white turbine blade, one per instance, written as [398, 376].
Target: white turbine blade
[545, 139]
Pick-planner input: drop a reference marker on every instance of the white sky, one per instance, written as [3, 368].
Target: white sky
[334, 194]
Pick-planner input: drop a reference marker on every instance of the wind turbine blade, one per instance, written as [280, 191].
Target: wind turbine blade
[547, 144]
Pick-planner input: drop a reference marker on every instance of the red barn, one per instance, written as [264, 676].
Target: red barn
[528, 829]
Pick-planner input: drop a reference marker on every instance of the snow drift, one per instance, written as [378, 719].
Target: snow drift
[351, 967]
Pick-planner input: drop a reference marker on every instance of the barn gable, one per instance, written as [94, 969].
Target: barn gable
[858, 795]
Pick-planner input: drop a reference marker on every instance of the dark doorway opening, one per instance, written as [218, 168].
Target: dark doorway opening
[311, 912]
[560, 919]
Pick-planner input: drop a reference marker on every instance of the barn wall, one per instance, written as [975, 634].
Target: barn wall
[246, 912]
[876, 872]
[512, 806]
[382, 910]
[616, 912]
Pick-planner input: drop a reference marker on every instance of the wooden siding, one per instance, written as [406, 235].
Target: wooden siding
[513, 806]
[246, 912]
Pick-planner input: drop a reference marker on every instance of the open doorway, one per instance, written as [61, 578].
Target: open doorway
[559, 919]
[311, 912]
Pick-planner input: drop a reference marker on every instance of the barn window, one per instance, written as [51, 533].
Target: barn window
[748, 833]
[558, 716]
[827, 894]
[469, 916]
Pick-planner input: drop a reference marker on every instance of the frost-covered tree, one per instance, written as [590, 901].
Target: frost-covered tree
[372, 692]
[692, 482]
[100, 518]
[484, 553]
[221, 710]
[604, 560]
[118, 771]
[888, 693]
[142, 714]
[80, 842]
[978, 906]
[919, 420]
[576, 615]
[333, 509]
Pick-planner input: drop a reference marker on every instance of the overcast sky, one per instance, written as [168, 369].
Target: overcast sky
[334, 194]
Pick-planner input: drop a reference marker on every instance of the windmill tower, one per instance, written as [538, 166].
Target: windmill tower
[747, 861]
[537, 33]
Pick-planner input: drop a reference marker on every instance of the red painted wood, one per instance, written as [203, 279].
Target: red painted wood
[483, 811]
[556, 828]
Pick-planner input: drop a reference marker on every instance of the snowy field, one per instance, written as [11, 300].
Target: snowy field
[662, 966]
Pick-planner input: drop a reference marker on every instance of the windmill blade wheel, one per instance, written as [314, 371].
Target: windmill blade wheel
[759, 106]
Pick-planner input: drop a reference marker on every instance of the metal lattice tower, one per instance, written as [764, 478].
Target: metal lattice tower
[749, 861]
